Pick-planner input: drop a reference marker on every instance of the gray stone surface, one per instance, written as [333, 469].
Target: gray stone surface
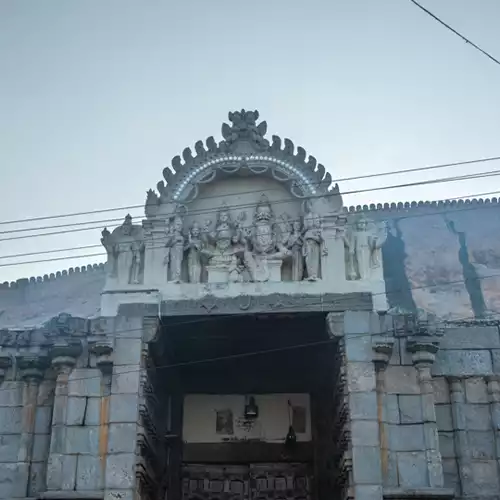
[85, 382]
[391, 409]
[120, 471]
[41, 444]
[13, 480]
[11, 393]
[127, 351]
[76, 409]
[88, 473]
[360, 377]
[406, 437]
[363, 405]
[82, 439]
[444, 417]
[10, 418]
[43, 419]
[125, 379]
[477, 337]
[401, 380]
[9, 447]
[123, 407]
[122, 438]
[365, 433]
[35, 303]
[478, 417]
[482, 445]
[462, 363]
[412, 469]
[441, 390]
[366, 465]
[476, 390]
[410, 408]
[447, 444]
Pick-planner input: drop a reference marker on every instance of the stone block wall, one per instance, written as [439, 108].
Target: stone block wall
[456, 428]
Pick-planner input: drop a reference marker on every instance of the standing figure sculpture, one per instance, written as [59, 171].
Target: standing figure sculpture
[175, 244]
[125, 247]
[363, 243]
[314, 245]
[294, 243]
[194, 246]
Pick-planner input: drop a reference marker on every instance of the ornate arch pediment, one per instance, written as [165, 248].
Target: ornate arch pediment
[244, 150]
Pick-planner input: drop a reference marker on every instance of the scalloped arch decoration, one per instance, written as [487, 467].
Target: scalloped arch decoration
[244, 146]
[301, 185]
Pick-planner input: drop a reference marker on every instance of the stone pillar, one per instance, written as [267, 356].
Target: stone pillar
[462, 448]
[423, 351]
[32, 368]
[382, 348]
[103, 350]
[5, 364]
[61, 468]
[493, 382]
[361, 382]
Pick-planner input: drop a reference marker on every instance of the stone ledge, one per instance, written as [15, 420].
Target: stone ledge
[70, 495]
[419, 493]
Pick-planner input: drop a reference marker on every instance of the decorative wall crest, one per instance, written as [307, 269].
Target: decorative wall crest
[244, 147]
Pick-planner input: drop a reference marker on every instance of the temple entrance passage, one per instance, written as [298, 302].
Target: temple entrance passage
[243, 407]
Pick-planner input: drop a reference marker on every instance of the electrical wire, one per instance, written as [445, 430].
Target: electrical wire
[466, 40]
[345, 179]
[492, 173]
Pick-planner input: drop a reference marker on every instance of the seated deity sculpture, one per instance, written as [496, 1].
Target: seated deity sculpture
[223, 248]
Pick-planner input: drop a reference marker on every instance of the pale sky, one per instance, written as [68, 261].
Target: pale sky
[97, 96]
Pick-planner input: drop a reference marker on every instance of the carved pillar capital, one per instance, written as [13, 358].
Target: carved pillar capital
[335, 325]
[32, 366]
[423, 349]
[63, 354]
[5, 364]
[102, 348]
[382, 350]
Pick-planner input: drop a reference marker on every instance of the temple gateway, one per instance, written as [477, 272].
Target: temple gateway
[251, 338]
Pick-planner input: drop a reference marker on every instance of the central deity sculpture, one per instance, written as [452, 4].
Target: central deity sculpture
[264, 249]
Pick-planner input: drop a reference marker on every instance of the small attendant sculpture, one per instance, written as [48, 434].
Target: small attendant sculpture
[363, 244]
[194, 246]
[175, 244]
[294, 243]
[314, 245]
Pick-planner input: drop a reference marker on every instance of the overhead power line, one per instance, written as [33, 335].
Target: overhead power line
[479, 175]
[344, 179]
[101, 254]
[466, 40]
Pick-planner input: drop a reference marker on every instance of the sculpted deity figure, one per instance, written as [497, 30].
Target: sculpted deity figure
[193, 247]
[225, 244]
[363, 244]
[294, 242]
[175, 252]
[125, 247]
[314, 245]
[264, 245]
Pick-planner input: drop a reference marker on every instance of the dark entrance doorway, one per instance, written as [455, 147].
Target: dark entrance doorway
[267, 357]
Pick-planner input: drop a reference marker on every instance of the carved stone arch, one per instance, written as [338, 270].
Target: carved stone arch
[244, 150]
